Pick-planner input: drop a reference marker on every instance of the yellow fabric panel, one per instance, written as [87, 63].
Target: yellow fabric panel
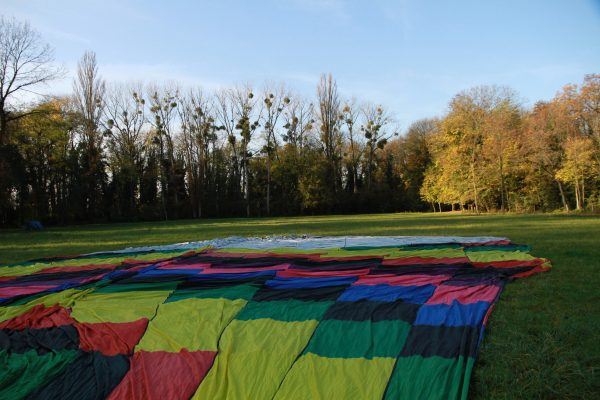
[386, 252]
[192, 324]
[118, 306]
[22, 269]
[76, 262]
[65, 298]
[450, 252]
[498, 255]
[253, 358]
[315, 377]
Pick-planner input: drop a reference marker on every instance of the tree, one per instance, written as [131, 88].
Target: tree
[299, 122]
[247, 119]
[330, 134]
[89, 90]
[414, 159]
[374, 129]
[43, 139]
[198, 134]
[124, 126]
[163, 102]
[349, 117]
[25, 63]
[274, 103]
[577, 166]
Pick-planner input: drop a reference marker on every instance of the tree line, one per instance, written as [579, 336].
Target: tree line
[135, 151]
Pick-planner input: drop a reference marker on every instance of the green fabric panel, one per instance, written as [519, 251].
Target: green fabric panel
[136, 287]
[359, 339]
[192, 324]
[227, 292]
[503, 247]
[65, 298]
[285, 310]
[254, 357]
[22, 373]
[276, 250]
[120, 306]
[432, 378]
[406, 247]
[314, 377]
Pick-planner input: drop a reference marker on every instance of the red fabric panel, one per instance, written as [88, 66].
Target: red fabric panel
[12, 291]
[349, 258]
[278, 267]
[38, 317]
[111, 338]
[184, 266]
[259, 254]
[161, 375]
[446, 294]
[300, 273]
[532, 271]
[52, 270]
[510, 263]
[402, 280]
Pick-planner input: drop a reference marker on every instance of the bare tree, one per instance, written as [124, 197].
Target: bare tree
[89, 90]
[274, 101]
[245, 110]
[125, 120]
[375, 129]
[198, 133]
[298, 122]
[331, 138]
[163, 102]
[25, 62]
[125, 124]
[349, 117]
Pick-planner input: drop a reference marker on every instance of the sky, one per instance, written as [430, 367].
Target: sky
[410, 56]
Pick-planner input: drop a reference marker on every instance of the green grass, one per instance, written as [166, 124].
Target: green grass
[543, 339]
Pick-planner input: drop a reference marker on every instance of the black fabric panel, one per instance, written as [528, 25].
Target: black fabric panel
[91, 376]
[42, 340]
[335, 265]
[443, 341]
[329, 293]
[199, 282]
[45, 277]
[365, 310]
[235, 262]
[427, 269]
[175, 277]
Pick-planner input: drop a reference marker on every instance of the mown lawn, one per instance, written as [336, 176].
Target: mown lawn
[543, 339]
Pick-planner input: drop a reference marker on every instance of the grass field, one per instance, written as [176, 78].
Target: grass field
[543, 339]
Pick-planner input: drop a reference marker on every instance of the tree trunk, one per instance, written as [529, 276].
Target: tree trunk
[562, 196]
[502, 188]
[474, 187]
[3, 126]
[577, 197]
[268, 185]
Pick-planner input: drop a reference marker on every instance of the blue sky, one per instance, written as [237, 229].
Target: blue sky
[411, 56]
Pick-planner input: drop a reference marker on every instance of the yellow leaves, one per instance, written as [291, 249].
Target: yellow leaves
[579, 159]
